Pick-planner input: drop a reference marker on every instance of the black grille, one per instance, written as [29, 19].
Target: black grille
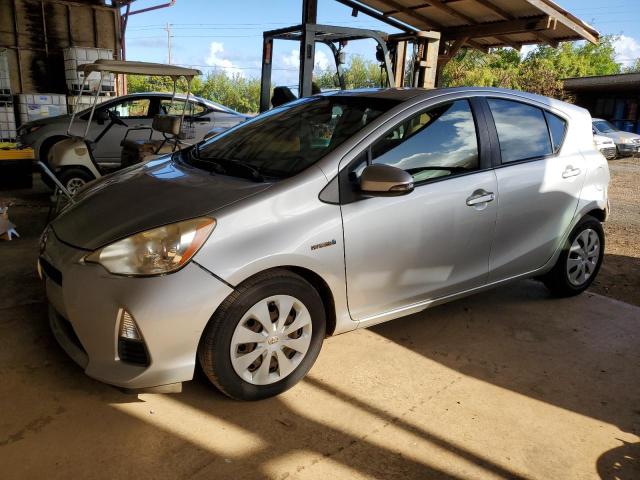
[50, 271]
[132, 351]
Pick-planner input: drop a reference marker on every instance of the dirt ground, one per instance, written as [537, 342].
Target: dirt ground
[508, 384]
[620, 274]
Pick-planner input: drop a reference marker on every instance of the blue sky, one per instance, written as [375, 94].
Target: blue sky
[227, 35]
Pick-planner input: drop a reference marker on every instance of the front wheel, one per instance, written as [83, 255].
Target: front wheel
[580, 260]
[264, 337]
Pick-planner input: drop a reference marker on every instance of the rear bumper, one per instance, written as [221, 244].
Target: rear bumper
[171, 312]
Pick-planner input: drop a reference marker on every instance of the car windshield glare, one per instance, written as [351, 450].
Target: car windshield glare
[288, 139]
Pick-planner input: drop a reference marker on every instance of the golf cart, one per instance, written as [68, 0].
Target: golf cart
[71, 160]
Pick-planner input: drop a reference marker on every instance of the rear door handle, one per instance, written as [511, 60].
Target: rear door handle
[571, 172]
[480, 197]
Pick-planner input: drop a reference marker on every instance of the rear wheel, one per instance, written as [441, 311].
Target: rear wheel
[264, 337]
[73, 179]
[580, 260]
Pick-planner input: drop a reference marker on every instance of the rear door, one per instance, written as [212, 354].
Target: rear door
[434, 241]
[539, 183]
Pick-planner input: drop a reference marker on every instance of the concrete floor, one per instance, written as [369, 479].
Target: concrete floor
[507, 384]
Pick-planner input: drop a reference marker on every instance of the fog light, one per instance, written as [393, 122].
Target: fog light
[131, 346]
[128, 328]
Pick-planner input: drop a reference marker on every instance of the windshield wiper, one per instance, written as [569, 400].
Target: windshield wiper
[226, 164]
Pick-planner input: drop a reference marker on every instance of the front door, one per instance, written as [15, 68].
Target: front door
[434, 241]
[539, 182]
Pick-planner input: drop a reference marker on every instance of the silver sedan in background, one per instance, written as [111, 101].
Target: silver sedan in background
[328, 214]
[128, 111]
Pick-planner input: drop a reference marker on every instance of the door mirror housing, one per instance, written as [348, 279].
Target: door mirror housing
[385, 180]
[102, 116]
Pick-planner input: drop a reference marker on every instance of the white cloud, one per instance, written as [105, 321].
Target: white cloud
[216, 59]
[293, 60]
[627, 50]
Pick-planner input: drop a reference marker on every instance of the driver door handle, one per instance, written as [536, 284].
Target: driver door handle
[480, 197]
[571, 172]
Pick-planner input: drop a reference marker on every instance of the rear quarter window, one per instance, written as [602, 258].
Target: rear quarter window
[522, 130]
[557, 129]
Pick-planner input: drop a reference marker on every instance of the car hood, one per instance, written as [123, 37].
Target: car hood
[602, 140]
[619, 135]
[143, 197]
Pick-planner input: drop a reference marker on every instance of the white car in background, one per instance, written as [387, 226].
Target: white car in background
[627, 143]
[606, 146]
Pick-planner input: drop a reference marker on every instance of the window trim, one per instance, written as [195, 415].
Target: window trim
[497, 152]
[348, 195]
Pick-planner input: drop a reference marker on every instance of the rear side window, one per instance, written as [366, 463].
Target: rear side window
[557, 128]
[522, 130]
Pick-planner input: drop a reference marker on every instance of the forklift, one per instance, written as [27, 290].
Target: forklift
[392, 52]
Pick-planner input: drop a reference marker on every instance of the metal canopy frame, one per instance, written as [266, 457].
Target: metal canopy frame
[393, 48]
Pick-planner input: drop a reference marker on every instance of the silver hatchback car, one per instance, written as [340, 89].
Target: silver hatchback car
[328, 214]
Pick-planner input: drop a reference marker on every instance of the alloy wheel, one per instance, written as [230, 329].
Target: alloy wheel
[271, 340]
[583, 257]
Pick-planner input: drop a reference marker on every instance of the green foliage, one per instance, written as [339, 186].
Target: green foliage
[540, 71]
[635, 68]
[235, 91]
[358, 73]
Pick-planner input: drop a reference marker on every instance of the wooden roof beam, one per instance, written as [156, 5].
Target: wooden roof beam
[560, 17]
[507, 27]
[507, 16]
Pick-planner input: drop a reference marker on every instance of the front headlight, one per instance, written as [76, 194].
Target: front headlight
[157, 251]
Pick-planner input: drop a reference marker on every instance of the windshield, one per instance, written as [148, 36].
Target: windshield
[604, 126]
[288, 139]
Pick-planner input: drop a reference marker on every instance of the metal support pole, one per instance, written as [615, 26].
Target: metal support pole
[265, 81]
[307, 47]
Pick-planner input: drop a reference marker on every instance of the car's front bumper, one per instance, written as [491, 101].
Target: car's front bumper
[609, 152]
[171, 312]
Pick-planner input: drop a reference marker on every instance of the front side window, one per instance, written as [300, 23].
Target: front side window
[435, 143]
[167, 107]
[133, 108]
[288, 139]
[522, 130]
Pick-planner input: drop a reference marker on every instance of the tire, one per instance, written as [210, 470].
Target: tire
[566, 281]
[74, 178]
[221, 352]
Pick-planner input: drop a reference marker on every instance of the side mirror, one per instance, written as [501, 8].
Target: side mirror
[385, 180]
[102, 116]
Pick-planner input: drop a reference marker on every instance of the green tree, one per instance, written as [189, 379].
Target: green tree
[235, 91]
[358, 73]
[540, 71]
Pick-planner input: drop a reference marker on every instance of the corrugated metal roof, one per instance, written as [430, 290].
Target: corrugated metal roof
[489, 23]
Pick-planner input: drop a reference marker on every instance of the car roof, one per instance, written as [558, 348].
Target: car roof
[179, 96]
[405, 94]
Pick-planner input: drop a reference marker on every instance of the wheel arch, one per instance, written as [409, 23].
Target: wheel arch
[318, 283]
[47, 143]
